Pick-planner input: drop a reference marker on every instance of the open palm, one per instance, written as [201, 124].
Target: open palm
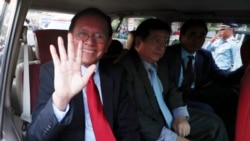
[68, 79]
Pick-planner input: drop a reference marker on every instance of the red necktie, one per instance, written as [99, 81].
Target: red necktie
[99, 121]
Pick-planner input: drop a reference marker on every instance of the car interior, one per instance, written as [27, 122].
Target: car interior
[20, 61]
[242, 125]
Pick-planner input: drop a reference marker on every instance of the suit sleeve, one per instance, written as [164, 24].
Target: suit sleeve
[150, 128]
[130, 127]
[44, 125]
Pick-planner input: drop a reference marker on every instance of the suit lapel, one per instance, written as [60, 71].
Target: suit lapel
[79, 108]
[107, 86]
[198, 66]
[143, 76]
[163, 75]
[177, 65]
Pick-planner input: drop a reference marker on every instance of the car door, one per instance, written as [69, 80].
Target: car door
[12, 15]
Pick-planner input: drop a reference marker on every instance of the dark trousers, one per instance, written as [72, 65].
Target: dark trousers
[206, 126]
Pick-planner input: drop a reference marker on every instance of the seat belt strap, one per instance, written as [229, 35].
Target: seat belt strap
[26, 114]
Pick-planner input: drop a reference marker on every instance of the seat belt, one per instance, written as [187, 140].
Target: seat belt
[26, 113]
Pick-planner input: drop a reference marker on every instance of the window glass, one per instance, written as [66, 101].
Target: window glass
[122, 28]
[240, 31]
[1, 5]
[7, 11]
[7, 15]
[228, 52]
[37, 19]
[48, 20]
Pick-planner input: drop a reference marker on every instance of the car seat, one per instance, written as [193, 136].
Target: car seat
[243, 112]
[114, 51]
[43, 39]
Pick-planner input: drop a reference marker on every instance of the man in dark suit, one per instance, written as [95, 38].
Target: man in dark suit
[63, 111]
[182, 124]
[210, 84]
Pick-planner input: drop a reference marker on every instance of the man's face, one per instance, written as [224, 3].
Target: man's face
[93, 32]
[221, 32]
[153, 47]
[226, 33]
[193, 39]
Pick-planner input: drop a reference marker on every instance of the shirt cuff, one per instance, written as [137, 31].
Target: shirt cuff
[181, 111]
[167, 135]
[60, 114]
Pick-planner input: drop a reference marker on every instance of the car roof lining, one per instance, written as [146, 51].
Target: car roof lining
[209, 10]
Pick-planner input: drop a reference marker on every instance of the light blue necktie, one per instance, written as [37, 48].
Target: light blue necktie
[158, 93]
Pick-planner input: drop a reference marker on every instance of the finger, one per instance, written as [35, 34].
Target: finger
[181, 132]
[70, 49]
[79, 53]
[54, 55]
[62, 52]
[184, 133]
[90, 70]
[188, 132]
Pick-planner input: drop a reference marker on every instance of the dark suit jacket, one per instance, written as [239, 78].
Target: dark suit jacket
[142, 94]
[117, 107]
[205, 68]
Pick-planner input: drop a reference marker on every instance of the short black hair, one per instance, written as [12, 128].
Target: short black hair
[91, 11]
[143, 30]
[192, 23]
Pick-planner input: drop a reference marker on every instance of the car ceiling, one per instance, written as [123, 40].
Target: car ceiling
[209, 10]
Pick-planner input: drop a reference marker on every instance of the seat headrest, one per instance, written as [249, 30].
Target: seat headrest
[115, 48]
[130, 39]
[44, 38]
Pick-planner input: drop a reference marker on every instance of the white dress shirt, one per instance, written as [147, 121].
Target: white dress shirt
[89, 133]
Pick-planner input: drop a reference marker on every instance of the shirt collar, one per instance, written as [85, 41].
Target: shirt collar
[185, 54]
[148, 65]
[83, 69]
[230, 39]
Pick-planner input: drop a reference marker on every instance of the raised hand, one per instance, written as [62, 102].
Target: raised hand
[68, 80]
[216, 36]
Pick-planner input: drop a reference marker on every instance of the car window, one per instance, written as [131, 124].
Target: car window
[7, 11]
[41, 19]
[7, 15]
[241, 31]
[122, 28]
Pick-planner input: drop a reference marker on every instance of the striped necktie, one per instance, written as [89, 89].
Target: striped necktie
[188, 75]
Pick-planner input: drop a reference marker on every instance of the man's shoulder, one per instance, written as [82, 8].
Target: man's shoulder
[175, 46]
[235, 40]
[109, 66]
[172, 50]
[47, 65]
[129, 58]
[204, 53]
